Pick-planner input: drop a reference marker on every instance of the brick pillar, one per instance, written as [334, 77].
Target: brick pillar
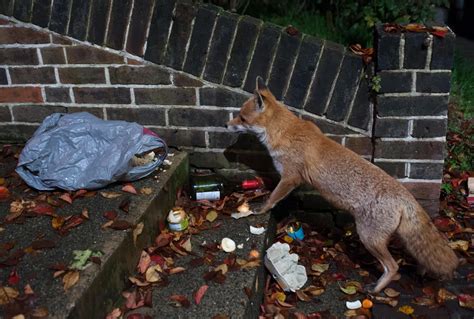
[411, 109]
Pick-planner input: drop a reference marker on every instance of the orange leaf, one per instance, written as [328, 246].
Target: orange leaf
[4, 193]
[70, 279]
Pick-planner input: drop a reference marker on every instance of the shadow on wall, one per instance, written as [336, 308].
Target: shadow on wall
[247, 150]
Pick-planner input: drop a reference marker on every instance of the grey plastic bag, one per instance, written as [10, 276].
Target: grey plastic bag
[80, 151]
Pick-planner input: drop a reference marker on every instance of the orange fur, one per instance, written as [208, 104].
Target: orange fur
[381, 206]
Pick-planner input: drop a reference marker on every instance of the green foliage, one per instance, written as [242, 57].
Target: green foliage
[463, 86]
[343, 21]
[375, 83]
[447, 188]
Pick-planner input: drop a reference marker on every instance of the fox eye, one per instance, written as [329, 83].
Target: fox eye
[242, 118]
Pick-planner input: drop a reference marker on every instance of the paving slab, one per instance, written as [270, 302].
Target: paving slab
[98, 286]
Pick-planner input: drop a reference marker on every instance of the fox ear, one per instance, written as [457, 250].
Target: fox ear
[258, 96]
[260, 84]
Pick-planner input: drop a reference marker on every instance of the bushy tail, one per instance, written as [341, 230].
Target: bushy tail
[424, 241]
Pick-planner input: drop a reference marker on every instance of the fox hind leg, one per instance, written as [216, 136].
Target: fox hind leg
[376, 244]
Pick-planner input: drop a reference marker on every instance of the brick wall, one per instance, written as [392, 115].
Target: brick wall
[411, 109]
[183, 70]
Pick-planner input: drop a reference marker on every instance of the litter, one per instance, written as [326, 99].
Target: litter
[257, 230]
[81, 151]
[284, 267]
[177, 219]
[227, 245]
[353, 305]
[295, 231]
[243, 211]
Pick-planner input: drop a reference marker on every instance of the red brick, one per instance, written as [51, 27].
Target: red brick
[90, 55]
[423, 190]
[20, 95]
[18, 56]
[22, 36]
[53, 55]
[61, 40]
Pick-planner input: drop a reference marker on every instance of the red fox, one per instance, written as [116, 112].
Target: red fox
[381, 206]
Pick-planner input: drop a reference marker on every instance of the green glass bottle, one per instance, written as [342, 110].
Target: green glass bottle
[206, 186]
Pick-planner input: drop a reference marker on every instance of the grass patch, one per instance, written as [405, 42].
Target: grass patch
[462, 90]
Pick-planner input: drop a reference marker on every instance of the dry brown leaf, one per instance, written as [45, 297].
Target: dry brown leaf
[57, 222]
[40, 312]
[176, 270]
[28, 290]
[144, 262]
[137, 231]
[110, 195]
[107, 224]
[152, 275]
[146, 190]
[223, 268]
[85, 213]
[314, 291]
[302, 295]
[466, 301]
[187, 245]
[138, 282]
[70, 279]
[7, 294]
[461, 245]
[211, 216]
[66, 197]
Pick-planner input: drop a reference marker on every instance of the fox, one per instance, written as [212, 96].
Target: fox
[381, 206]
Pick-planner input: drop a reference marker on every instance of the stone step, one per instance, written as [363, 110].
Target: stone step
[99, 286]
[239, 296]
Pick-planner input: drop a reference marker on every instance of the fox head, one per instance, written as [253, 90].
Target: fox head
[255, 114]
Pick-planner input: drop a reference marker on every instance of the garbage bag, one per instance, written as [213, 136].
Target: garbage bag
[80, 151]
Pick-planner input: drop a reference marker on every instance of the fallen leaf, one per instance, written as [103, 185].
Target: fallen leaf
[302, 295]
[13, 278]
[40, 312]
[66, 197]
[423, 301]
[466, 301]
[133, 300]
[187, 245]
[180, 301]
[137, 231]
[43, 209]
[107, 224]
[110, 195]
[314, 291]
[408, 310]
[70, 223]
[349, 290]
[20, 316]
[200, 294]
[70, 279]
[43, 244]
[28, 290]
[223, 268]
[211, 216]
[461, 245]
[7, 294]
[57, 222]
[144, 262]
[392, 293]
[125, 205]
[4, 193]
[129, 189]
[110, 214]
[146, 190]
[389, 301]
[320, 268]
[152, 275]
[176, 270]
[85, 213]
[120, 224]
[138, 282]
[443, 295]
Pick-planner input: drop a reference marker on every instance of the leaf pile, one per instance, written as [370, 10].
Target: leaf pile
[158, 262]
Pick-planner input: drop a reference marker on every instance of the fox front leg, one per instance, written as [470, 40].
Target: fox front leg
[284, 187]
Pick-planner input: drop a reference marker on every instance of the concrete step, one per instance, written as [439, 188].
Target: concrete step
[99, 286]
[238, 296]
